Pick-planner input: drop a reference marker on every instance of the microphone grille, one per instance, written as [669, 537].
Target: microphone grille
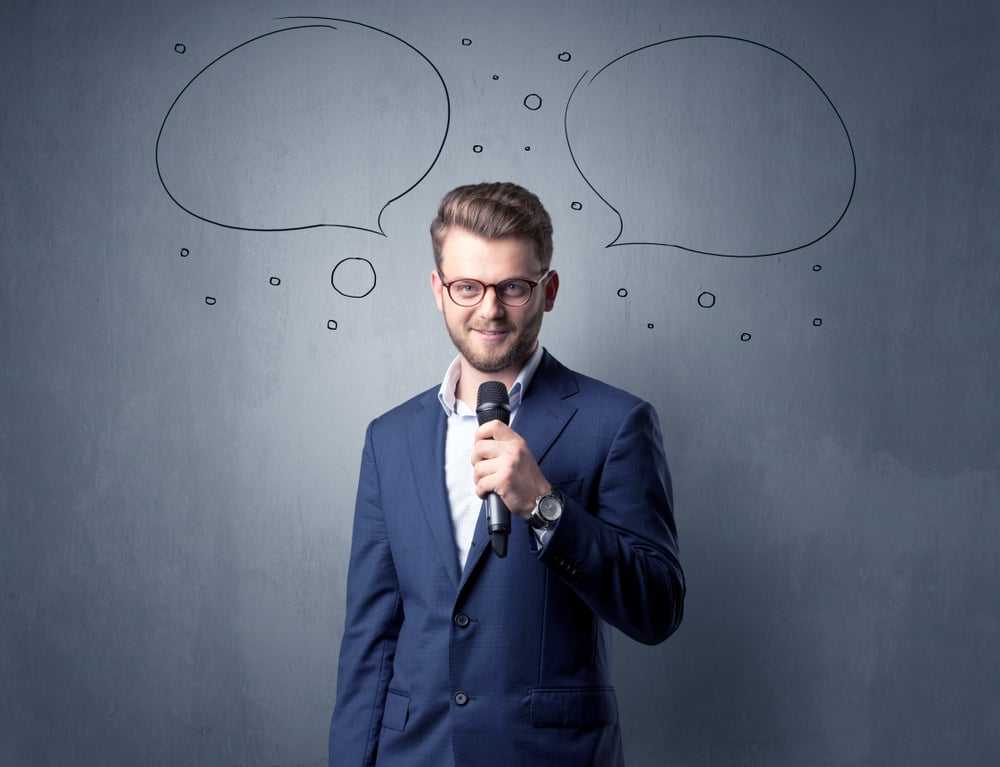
[492, 402]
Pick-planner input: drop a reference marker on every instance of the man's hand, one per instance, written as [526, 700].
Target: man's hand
[503, 464]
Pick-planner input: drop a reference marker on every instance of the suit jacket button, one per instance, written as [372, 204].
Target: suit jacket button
[462, 620]
[461, 698]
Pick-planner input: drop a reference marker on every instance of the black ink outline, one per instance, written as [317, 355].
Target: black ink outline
[380, 231]
[353, 258]
[711, 298]
[621, 222]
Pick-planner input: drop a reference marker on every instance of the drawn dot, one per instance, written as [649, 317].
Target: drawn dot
[650, 326]
[353, 277]
[706, 300]
[276, 281]
[496, 77]
[210, 300]
[817, 322]
[564, 56]
[477, 148]
[185, 252]
[527, 149]
[533, 101]
[622, 292]
[817, 268]
[466, 41]
[331, 325]
[180, 48]
[577, 206]
[745, 337]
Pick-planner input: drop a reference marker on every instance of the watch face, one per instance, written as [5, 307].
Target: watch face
[550, 508]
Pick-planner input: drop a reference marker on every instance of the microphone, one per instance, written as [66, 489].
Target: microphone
[492, 404]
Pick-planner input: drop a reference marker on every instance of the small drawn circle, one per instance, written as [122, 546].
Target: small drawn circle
[622, 292]
[180, 48]
[564, 56]
[527, 149]
[466, 41]
[353, 277]
[817, 268]
[533, 102]
[496, 77]
[745, 337]
[706, 300]
[817, 322]
[276, 281]
[576, 205]
[477, 148]
[210, 300]
[331, 325]
[185, 252]
[650, 325]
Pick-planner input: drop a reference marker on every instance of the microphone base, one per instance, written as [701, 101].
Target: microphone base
[499, 541]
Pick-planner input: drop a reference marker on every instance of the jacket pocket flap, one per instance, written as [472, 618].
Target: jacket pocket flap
[397, 709]
[569, 707]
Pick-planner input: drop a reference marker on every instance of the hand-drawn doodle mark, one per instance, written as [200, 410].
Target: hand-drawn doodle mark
[576, 205]
[180, 48]
[331, 325]
[533, 102]
[745, 337]
[817, 268]
[466, 41]
[249, 146]
[185, 252]
[706, 300]
[817, 322]
[622, 292]
[210, 300]
[477, 148]
[564, 56]
[275, 281]
[356, 278]
[717, 93]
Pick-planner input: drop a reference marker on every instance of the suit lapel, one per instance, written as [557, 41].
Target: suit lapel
[426, 444]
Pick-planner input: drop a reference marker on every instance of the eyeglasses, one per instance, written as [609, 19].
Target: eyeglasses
[513, 292]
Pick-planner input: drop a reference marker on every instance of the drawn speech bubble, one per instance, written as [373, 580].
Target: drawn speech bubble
[324, 122]
[714, 145]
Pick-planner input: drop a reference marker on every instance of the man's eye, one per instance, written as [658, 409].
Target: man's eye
[514, 288]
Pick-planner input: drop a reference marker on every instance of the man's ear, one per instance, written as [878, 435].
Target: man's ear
[438, 289]
[551, 288]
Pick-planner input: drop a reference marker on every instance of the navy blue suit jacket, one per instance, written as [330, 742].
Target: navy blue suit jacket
[508, 662]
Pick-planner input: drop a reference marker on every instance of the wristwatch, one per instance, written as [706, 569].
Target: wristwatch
[548, 509]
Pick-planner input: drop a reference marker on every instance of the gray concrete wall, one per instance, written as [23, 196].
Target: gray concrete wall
[776, 221]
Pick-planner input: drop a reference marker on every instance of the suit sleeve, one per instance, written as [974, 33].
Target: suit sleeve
[371, 627]
[619, 552]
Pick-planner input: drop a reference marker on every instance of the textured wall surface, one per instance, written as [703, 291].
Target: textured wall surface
[776, 221]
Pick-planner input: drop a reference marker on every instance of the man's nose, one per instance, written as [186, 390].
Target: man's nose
[491, 306]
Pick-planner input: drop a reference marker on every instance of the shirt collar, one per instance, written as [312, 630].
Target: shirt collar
[450, 403]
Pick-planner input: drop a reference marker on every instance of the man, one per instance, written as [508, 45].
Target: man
[453, 655]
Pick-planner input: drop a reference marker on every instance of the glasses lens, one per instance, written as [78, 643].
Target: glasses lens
[514, 292]
[466, 292]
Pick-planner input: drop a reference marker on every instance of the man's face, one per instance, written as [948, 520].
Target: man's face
[492, 337]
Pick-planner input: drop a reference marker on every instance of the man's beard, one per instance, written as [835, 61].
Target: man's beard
[510, 355]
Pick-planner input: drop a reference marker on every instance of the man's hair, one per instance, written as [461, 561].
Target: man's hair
[494, 211]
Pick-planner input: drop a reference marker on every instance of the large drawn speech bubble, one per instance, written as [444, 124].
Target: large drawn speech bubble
[323, 122]
[714, 145]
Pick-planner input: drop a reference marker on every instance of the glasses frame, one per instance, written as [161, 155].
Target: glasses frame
[532, 284]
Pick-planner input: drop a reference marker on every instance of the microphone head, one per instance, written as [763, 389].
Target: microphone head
[492, 403]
